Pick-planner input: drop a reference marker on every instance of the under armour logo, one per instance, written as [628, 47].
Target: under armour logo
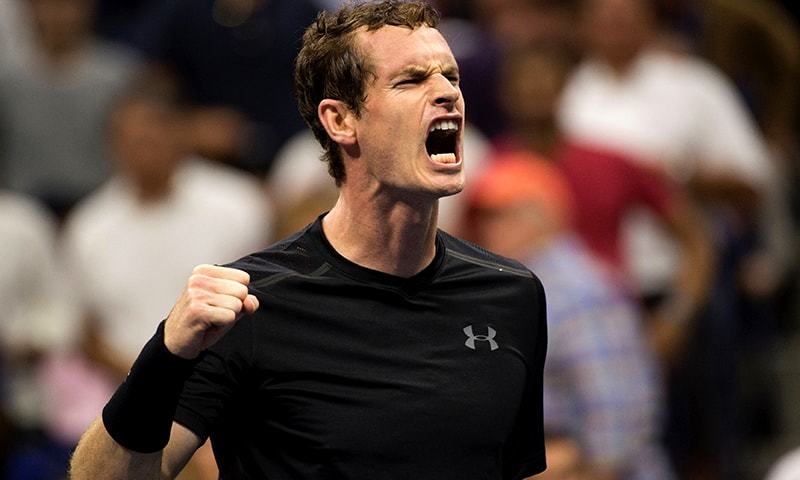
[489, 337]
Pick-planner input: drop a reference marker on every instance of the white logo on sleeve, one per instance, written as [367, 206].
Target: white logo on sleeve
[489, 337]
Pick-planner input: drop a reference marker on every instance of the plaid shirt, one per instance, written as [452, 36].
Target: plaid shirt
[601, 383]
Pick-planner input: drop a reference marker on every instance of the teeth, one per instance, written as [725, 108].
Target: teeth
[444, 157]
[444, 125]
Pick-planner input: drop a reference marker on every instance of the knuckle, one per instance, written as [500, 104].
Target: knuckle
[195, 309]
[238, 304]
[195, 293]
[197, 281]
[201, 269]
[228, 315]
[242, 292]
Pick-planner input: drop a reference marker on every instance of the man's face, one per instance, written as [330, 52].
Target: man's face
[410, 131]
[143, 137]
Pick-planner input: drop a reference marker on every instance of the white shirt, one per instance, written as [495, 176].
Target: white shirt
[35, 311]
[129, 261]
[671, 111]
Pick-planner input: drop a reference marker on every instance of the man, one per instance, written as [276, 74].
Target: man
[385, 348]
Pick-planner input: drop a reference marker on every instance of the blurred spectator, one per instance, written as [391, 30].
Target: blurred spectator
[607, 188]
[678, 113]
[486, 32]
[36, 320]
[757, 44]
[162, 211]
[601, 386]
[54, 103]
[162, 208]
[672, 111]
[233, 59]
[299, 177]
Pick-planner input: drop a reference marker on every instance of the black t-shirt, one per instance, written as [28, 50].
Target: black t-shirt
[350, 373]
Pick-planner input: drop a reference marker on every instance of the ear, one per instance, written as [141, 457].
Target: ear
[338, 120]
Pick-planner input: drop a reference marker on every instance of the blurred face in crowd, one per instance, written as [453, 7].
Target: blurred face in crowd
[512, 231]
[61, 24]
[531, 85]
[144, 141]
[410, 130]
[616, 30]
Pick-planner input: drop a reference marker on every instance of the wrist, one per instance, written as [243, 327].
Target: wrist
[177, 349]
[139, 414]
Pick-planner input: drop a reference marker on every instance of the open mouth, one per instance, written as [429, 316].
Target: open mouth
[442, 141]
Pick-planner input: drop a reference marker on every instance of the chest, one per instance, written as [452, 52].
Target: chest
[355, 372]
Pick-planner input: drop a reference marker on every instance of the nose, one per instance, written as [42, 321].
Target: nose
[445, 93]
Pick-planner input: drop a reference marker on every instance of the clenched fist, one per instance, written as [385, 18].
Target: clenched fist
[213, 299]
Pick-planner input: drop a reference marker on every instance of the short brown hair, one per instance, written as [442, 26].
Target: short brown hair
[330, 65]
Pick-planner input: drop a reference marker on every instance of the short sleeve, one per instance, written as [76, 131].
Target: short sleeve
[217, 378]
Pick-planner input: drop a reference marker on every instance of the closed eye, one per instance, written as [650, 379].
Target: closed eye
[410, 81]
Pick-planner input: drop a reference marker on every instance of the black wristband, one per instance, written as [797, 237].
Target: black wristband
[139, 414]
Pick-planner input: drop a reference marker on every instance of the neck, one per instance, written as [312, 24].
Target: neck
[149, 191]
[59, 54]
[389, 236]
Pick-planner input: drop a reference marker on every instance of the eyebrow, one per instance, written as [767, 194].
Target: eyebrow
[415, 71]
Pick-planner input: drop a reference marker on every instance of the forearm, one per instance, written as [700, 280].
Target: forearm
[129, 439]
[696, 269]
[99, 457]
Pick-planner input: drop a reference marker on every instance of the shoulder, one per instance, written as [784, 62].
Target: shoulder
[465, 259]
[468, 253]
[25, 219]
[682, 70]
[100, 211]
[293, 255]
[221, 186]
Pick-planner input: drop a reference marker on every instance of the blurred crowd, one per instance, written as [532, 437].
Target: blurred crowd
[641, 156]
